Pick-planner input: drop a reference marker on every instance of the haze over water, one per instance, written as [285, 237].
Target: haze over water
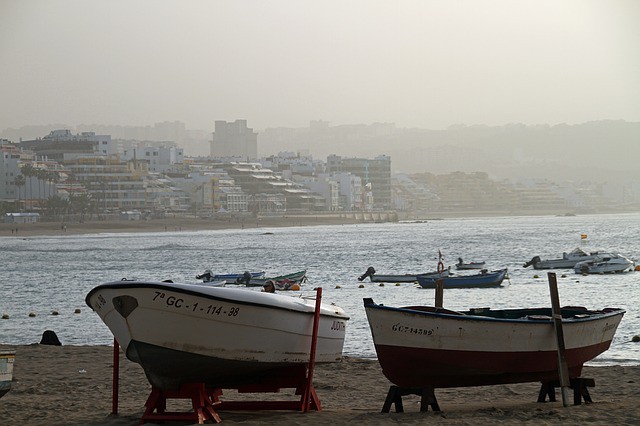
[43, 274]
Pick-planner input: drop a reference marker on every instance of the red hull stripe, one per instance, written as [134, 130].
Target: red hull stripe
[413, 367]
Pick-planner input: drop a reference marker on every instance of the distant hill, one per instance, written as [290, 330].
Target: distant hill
[605, 150]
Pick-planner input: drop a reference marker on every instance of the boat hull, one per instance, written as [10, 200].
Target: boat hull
[567, 261]
[181, 333]
[612, 266]
[236, 278]
[556, 264]
[469, 266]
[169, 368]
[293, 278]
[406, 278]
[489, 279]
[7, 359]
[418, 349]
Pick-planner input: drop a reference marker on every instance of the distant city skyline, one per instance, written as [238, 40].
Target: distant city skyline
[418, 64]
[582, 152]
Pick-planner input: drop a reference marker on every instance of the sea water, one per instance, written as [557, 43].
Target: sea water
[54, 273]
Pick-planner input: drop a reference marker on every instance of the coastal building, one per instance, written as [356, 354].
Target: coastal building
[350, 188]
[27, 178]
[234, 140]
[375, 174]
[10, 184]
[328, 188]
[261, 183]
[113, 184]
[159, 159]
[21, 217]
[60, 145]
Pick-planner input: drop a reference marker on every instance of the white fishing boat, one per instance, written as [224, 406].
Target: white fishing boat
[420, 346]
[604, 263]
[223, 337]
[7, 359]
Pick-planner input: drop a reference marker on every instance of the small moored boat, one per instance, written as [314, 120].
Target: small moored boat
[282, 282]
[567, 261]
[461, 265]
[7, 359]
[483, 279]
[399, 278]
[421, 346]
[604, 263]
[223, 337]
[208, 276]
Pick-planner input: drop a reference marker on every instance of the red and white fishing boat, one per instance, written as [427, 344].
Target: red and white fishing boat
[420, 346]
[222, 337]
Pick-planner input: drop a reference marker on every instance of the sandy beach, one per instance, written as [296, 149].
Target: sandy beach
[72, 385]
[176, 224]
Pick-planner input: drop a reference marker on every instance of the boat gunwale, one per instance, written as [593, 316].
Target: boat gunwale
[612, 312]
[168, 287]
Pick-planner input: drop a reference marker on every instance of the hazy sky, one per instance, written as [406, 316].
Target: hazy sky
[421, 63]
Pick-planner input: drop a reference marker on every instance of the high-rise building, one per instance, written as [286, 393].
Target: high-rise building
[234, 140]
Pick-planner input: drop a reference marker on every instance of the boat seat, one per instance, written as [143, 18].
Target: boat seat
[433, 309]
[538, 317]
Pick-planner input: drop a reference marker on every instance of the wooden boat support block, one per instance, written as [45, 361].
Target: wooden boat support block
[395, 394]
[579, 385]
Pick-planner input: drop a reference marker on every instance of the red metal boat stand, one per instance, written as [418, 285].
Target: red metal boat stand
[202, 400]
[205, 401]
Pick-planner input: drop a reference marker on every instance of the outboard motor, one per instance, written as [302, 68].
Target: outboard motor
[369, 273]
[245, 279]
[533, 262]
[205, 276]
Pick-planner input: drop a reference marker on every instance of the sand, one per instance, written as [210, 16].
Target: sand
[72, 385]
[176, 224]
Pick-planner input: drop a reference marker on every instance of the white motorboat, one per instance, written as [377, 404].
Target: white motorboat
[461, 265]
[223, 337]
[567, 261]
[604, 263]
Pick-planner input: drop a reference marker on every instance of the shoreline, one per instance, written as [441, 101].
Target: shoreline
[73, 385]
[178, 224]
[190, 224]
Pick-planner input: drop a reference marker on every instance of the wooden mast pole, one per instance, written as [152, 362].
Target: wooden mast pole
[563, 369]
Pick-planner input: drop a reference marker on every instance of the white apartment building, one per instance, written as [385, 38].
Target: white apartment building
[158, 159]
[328, 188]
[9, 170]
